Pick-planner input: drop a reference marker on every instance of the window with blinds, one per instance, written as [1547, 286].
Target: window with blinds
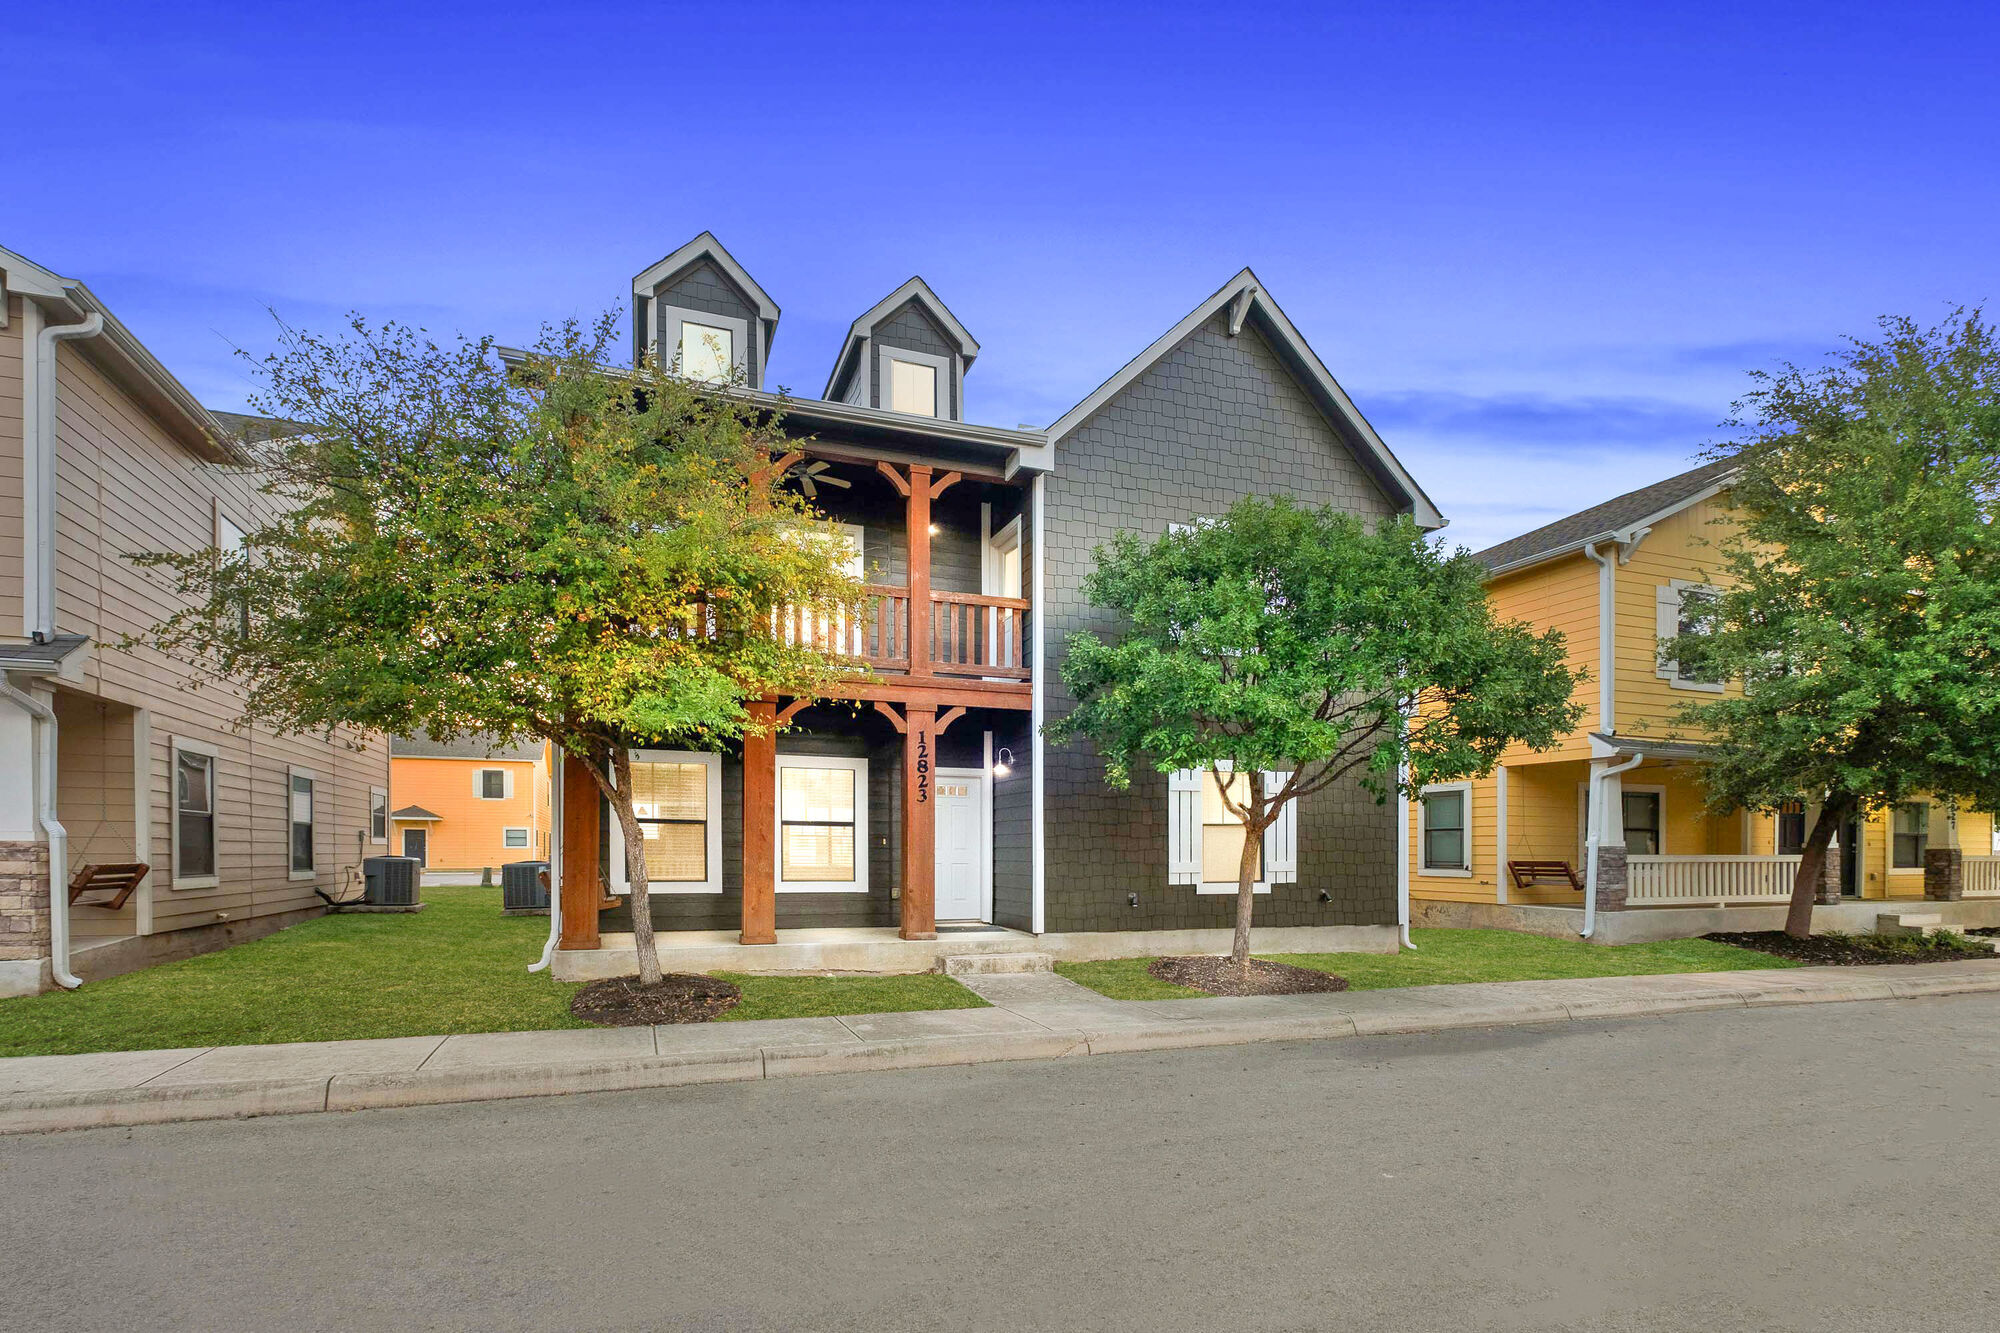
[671, 802]
[816, 824]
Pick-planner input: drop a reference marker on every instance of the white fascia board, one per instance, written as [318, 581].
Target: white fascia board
[1618, 535]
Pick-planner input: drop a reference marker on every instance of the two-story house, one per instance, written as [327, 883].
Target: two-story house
[200, 834]
[919, 811]
[1517, 849]
[464, 808]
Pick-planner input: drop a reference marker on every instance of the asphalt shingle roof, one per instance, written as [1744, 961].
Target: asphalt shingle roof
[465, 747]
[1602, 520]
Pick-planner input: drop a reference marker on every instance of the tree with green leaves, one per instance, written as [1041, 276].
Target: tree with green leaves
[1859, 588]
[1286, 638]
[552, 549]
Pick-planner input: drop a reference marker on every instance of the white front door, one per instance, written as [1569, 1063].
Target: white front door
[961, 864]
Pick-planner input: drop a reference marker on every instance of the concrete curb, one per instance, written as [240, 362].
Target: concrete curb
[1441, 1010]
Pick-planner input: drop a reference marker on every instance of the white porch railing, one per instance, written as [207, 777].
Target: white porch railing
[1680, 881]
[1982, 876]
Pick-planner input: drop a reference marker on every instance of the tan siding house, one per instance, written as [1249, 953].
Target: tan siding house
[123, 460]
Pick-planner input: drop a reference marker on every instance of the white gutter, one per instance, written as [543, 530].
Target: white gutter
[58, 836]
[1595, 799]
[38, 466]
[555, 862]
[1036, 690]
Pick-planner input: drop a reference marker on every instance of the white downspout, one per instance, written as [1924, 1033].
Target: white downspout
[1594, 799]
[1036, 691]
[1403, 856]
[555, 861]
[38, 510]
[1607, 627]
[58, 836]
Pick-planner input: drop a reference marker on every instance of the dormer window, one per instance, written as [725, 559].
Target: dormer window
[707, 352]
[913, 387]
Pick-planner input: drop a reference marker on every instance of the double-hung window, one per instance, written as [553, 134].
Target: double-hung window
[1445, 829]
[677, 796]
[1912, 835]
[194, 815]
[1205, 838]
[1641, 810]
[1686, 611]
[1792, 828]
[518, 837]
[378, 814]
[493, 784]
[303, 819]
[822, 824]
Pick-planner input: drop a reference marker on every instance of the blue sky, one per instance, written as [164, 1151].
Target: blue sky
[1539, 244]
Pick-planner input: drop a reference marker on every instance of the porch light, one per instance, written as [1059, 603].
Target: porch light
[1003, 764]
[934, 529]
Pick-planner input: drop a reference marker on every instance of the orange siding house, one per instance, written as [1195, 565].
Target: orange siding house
[466, 807]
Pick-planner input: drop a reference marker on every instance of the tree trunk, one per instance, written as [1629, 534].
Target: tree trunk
[1246, 896]
[636, 874]
[1805, 884]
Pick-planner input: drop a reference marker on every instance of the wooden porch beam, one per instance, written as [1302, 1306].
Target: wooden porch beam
[944, 483]
[888, 710]
[792, 709]
[948, 717]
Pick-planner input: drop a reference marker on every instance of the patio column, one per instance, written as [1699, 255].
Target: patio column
[582, 890]
[1611, 867]
[760, 828]
[919, 824]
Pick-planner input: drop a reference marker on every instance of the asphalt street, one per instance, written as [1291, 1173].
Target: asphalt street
[1822, 1167]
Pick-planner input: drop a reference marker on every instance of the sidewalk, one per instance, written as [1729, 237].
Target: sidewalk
[1035, 1017]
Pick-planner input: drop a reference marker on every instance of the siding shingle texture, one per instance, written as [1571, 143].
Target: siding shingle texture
[1216, 419]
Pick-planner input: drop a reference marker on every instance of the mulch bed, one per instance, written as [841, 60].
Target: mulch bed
[1844, 950]
[622, 1002]
[1219, 976]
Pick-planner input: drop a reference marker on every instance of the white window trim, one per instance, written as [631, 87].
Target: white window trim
[1624, 789]
[506, 782]
[381, 794]
[1424, 868]
[885, 384]
[673, 315]
[860, 767]
[1667, 607]
[713, 884]
[292, 772]
[527, 836]
[176, 747]
[1228, 886]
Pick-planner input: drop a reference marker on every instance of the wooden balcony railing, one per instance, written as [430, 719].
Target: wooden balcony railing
[974, 635]
[1681, 881]
[966, 634]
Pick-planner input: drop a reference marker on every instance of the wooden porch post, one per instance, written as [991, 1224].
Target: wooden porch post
[919, 823]
[760, 837]
[581, 890]
[918, 536]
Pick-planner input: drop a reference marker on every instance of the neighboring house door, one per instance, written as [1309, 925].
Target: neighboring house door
[961, 878]
[416, 842]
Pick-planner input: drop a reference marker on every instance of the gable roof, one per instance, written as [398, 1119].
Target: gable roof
[122, 356]
[464, 747]
[1616, 518]
[916, 289]
[706, 246]
[1245, 298]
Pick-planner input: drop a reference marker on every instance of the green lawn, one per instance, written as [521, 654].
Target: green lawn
[457, 966]
[1447, 957]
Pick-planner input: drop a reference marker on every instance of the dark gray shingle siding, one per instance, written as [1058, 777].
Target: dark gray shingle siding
[1214, 420]
[705, 287]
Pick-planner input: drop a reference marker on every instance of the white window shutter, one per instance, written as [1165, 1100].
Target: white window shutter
[1184, 826]
[1667, 624]
[507, 782]
[1281, 840]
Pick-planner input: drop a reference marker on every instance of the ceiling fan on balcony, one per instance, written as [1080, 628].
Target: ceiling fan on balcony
[811, 476]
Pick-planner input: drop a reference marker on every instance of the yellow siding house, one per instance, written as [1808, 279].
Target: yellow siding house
[1614, 579]
[467, 807]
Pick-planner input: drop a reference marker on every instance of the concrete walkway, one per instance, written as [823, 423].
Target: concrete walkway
[1034, 1017]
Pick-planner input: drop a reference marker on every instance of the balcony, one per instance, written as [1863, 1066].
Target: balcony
[966, 634]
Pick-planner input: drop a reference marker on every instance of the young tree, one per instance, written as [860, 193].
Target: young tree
[1859, 599]
[560, 551]
[1287, 638]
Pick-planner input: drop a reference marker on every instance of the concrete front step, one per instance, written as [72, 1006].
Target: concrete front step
[1908, 923]
[996, 964]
